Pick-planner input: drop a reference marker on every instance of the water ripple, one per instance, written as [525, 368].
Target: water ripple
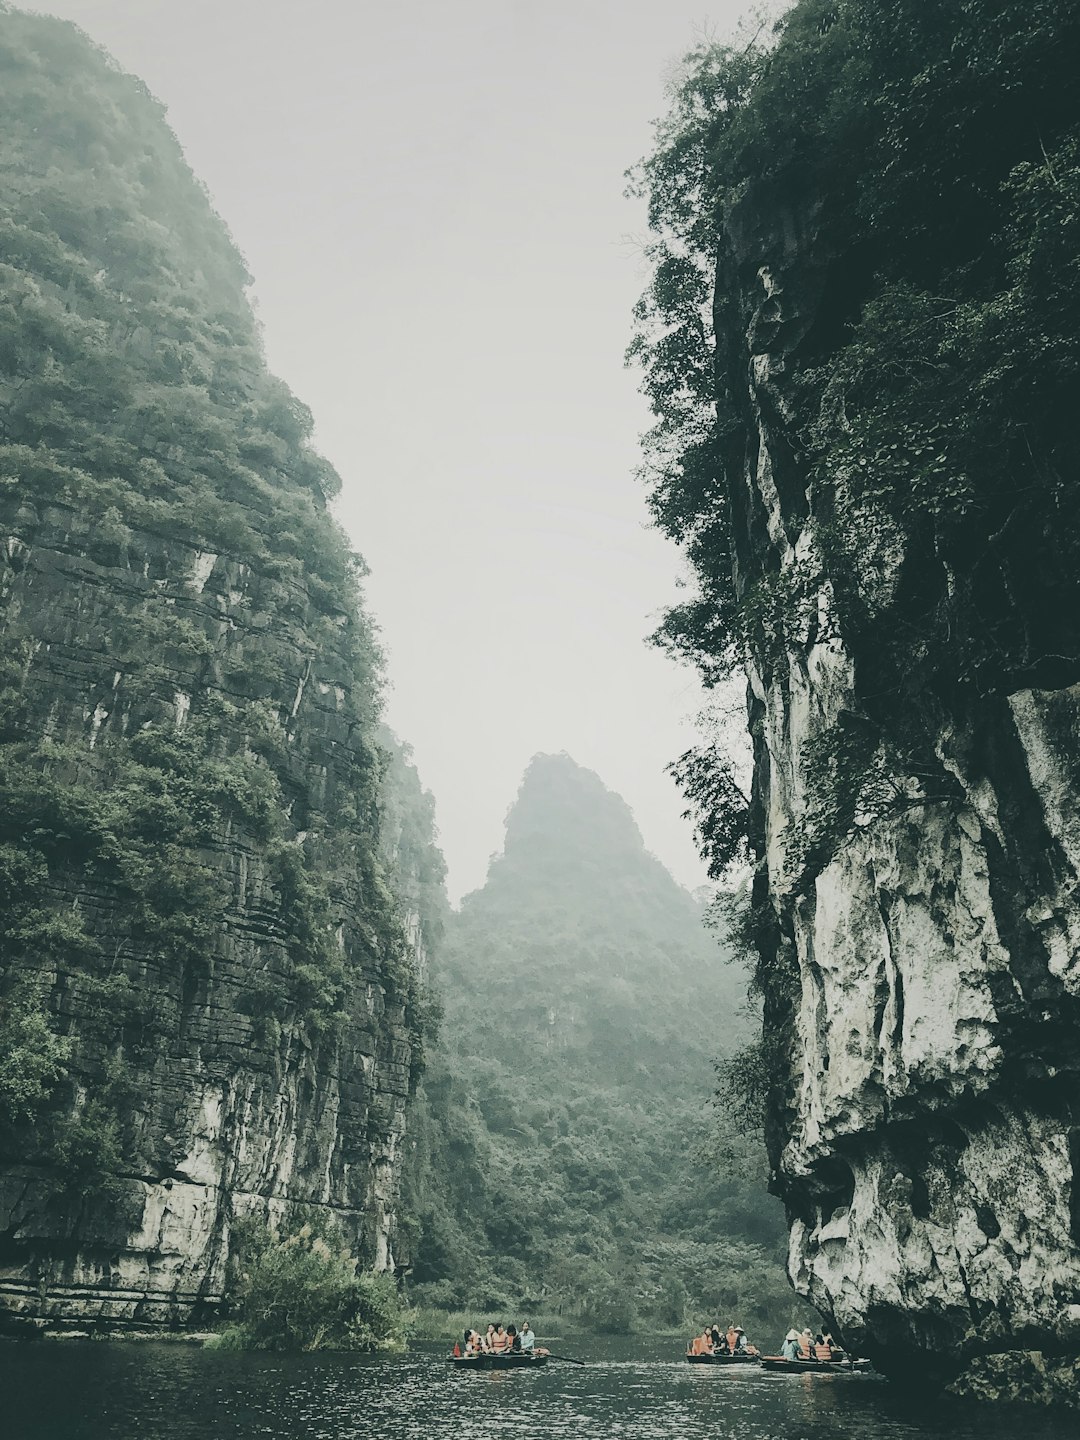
[627, 1391]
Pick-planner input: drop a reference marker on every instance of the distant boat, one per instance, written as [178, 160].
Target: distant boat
[827, 1367]
[512, 1360]
[723, 1357]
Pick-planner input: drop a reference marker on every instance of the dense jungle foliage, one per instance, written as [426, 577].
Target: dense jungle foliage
[561, 1160]
[140, 433]
[929, 154]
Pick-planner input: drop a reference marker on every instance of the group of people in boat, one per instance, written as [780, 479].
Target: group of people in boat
[806, 1345]
[714, 1341]
[499, 1339]
[798, 1344]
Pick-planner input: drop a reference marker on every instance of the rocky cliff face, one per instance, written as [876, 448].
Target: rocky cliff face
[211, 938]
[924, 980]
[871, 463]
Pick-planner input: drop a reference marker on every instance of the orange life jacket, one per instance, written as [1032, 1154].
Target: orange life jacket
[822, 1352]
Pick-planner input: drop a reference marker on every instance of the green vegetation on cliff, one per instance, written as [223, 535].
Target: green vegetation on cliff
[559, 1157]
[927, 157]
[190, 688]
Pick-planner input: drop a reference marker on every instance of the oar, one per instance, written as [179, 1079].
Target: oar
[568, 1358]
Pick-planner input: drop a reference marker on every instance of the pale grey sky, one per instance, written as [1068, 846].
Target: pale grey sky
[429, 196]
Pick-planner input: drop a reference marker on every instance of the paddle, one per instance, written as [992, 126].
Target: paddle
[568, 1358]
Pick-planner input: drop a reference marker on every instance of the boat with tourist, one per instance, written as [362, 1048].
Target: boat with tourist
[799, 1367]
[804, 1352]
[512, 1360]
[723, 1357]
[500, 1348]
[716, 1347]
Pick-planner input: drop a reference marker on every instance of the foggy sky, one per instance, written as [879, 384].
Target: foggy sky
[429, 196]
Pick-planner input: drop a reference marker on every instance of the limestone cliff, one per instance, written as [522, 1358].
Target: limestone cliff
[210, 943]
[924, 975]
[882, 511]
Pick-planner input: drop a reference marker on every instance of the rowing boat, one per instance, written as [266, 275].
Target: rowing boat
[723, 1357]
[827, 1367]
[513, 1361]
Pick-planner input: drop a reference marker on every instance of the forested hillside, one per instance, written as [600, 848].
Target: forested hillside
[558, 1160]
[210, 893]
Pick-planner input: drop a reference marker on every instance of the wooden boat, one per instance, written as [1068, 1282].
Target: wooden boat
[512, 1360]
[723, 1357]
[822, 1367]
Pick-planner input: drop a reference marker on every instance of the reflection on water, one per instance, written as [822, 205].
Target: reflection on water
[629, 1390]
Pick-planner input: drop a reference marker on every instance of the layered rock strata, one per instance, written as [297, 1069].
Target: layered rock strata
[211, 946]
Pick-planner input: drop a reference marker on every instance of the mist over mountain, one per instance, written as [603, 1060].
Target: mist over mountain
[558, 1158]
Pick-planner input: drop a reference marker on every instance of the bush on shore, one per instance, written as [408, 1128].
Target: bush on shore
[297, 1293]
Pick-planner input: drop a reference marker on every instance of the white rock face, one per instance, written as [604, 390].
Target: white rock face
[937, 1194]
[926, 1118]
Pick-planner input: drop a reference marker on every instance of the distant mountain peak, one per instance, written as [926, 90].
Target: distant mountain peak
[563, 804]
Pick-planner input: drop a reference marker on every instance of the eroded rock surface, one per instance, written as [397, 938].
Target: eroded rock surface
[924, 972]
[1024, 1377]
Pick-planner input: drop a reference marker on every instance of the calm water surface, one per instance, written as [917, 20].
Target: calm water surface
[629, 1390]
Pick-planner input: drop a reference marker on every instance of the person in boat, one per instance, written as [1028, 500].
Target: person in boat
[486, 1343]
[702, 1344]
[742, 1345]
[790, 1348]
[500, 1341]
[806, 1343]
[716, 1337]
[822, 1349]
[528, 1341]
[474, 1344]
[731, 1337]
[514, 1338]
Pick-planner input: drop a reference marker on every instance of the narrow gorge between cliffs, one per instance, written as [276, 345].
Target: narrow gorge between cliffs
[280, 1071]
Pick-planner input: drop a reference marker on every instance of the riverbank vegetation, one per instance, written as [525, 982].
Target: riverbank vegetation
[302, 1291]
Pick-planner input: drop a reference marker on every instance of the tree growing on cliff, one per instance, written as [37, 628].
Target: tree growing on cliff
[195, 866]
[937, 149]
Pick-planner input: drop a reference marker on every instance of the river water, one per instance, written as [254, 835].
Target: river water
[628, 1390]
